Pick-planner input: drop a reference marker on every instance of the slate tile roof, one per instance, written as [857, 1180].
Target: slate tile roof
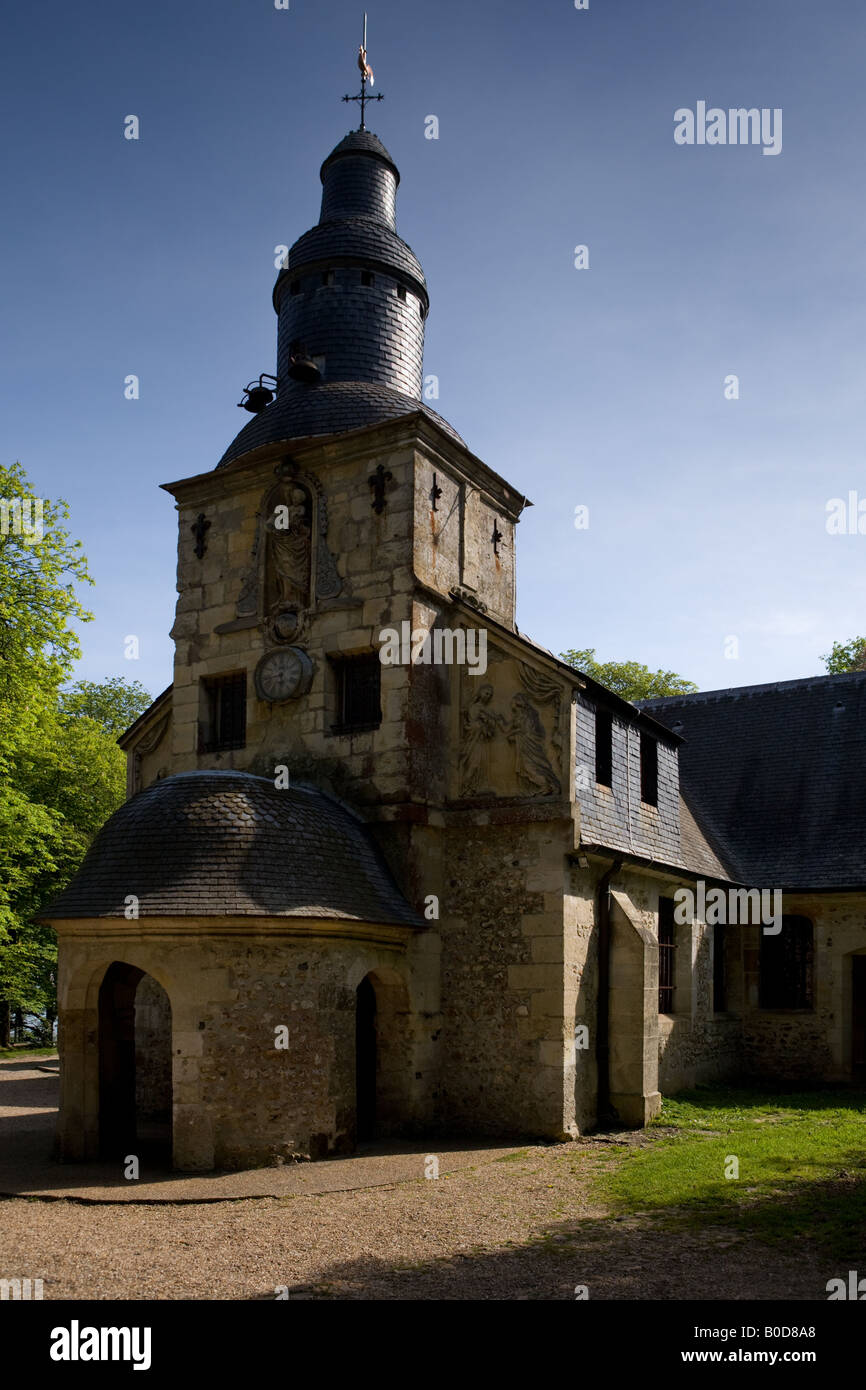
[360, 142]
[229, 843]
[776, 776]
[333, 407]
[358, 239]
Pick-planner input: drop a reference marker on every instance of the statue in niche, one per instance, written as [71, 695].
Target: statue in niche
[480, 724]
[531, 765]
[289, 527]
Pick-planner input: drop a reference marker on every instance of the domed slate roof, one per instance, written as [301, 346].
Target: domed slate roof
[331, 407]
[230, 844]
[359, 142]
[355, 239]
[352, 297]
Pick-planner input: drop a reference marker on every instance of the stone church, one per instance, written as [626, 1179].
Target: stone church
[350, 898]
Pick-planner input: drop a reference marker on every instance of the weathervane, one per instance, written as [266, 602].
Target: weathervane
[366, 72]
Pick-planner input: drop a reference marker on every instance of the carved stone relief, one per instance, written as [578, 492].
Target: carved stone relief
[150, 741]
[291, 570]
[506, 748]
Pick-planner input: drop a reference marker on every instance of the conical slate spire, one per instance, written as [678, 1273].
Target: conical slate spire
[352, 299]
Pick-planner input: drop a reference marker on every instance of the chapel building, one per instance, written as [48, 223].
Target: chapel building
[354, 894]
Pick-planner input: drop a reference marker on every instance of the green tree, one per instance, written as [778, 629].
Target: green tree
[114, 703]
[846, 656]
[629, 679]
[61, 772]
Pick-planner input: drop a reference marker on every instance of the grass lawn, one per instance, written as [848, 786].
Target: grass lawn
[801, 1162]
[21, 1054]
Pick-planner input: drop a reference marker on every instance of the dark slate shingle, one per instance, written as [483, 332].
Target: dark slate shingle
[228, 843]
[775, 775]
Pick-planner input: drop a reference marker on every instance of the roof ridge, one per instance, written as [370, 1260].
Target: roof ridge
[801, 682]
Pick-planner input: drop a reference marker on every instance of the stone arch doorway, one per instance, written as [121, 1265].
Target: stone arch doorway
[135, 1091]
[383, 1055]
[858, 1016]
[366, 1050]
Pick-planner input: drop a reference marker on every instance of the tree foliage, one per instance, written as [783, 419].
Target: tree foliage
[629, 679]
[61, 772]
[846, 656]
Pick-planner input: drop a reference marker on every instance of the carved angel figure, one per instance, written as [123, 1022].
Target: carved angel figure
[526, 733]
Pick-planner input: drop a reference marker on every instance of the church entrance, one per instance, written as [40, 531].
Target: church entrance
[858, 1016]
[135, 1097]
[365, 1059]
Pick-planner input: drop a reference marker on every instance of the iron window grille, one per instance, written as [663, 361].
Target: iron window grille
[226, 713]
[667, 956]
[359, 685]
[720, 974]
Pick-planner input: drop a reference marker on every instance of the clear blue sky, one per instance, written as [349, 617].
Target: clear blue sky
[601, 387]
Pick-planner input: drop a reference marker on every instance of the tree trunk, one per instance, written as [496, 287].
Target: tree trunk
[5, 1020]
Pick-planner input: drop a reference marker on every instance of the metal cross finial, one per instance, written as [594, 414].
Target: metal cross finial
[200, 528]
[366, 71]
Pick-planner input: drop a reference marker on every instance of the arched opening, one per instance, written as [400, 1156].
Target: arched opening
[365, 1059]
[135, 1098]
[383, 1056]
[858, 1017]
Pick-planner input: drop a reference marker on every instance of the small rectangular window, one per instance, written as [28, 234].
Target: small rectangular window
[604, 747]
[358, 703]
[649, 770]
[367, 278]
[667, 948]
[401, 292]
[328, 277]
[295, 287]
[224, 713]
[720, 981]
[786, 964]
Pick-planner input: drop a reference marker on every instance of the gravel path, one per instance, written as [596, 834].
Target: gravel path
[521, 1229]
[523, 1224]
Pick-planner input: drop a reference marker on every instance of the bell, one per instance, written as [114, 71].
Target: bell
[304, 369]
[257, 395]
[257, 399]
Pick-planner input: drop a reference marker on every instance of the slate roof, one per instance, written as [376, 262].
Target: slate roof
[360, 142]
[776, 777]
[228, 843]
[329, 407]
[354, 239]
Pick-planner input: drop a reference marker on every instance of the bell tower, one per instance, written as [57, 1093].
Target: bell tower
[344, 512]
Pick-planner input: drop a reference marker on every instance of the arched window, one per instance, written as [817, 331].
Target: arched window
[787, 966]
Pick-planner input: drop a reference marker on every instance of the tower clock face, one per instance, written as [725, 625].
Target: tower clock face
[283, 674]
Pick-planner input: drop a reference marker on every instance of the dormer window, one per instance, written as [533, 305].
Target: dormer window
[649, 770]
[604, 747]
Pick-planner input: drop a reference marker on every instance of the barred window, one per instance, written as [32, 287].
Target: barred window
[604, 747]
[720, 978]
[786, 966]
[667, 948]
[358, 680]
[224, 721]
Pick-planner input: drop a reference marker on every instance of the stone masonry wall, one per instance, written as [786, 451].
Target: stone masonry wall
[507, 1043]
